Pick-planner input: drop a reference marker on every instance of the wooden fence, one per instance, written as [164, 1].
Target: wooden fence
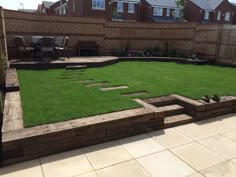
[214, 41]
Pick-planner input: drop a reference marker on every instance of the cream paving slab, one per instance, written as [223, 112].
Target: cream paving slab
[25, 169]
[106, 154]
[66, 164]
[226, 169]
[195, 175]
[234, 160]
[165, 164]
[197, 156]
[141, 145]
[217, 125]
[221, 145]
[231, 135]
[195, 131]
[90, 174]
[170, 138]
[126, 169]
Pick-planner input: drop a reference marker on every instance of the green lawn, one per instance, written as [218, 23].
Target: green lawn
[47, 96]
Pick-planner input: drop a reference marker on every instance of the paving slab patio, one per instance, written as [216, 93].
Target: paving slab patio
[192, 150]
[170, 138]
[231, 135]
[221, 145]
[197, 156]
[65, 164]
[126, 169]
[141, 145]
[106, 154]
[227, 169]
[164, 164]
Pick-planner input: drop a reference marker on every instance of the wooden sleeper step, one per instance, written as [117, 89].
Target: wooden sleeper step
[176, 120]
[171, 110]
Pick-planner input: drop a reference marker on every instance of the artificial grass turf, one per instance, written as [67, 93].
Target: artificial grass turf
[47, 96]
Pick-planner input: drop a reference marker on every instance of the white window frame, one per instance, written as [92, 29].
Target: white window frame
[206, 15]
[227, 16]
[98, 4]
[167, 12]
[177, 13]
[131, 8]
[120, 7]
[219, 15]
[158, 11]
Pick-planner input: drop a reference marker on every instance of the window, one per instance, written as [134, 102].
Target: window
[227, 16]
[63, 11]
[219, 15]
[73, 6]
[206, 15]
[131, 8]
[177, 13]
[44, 11]
[119, 6]
[167, 12]
[157, 11]
[98, 4]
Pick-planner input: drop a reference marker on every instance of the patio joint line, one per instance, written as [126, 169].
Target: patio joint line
[135, 159]
[41, 167]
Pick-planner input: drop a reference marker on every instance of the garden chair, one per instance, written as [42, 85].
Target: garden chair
[63, 48]
[47, 46]
[21, 47]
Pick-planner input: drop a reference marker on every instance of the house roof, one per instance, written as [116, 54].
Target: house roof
[207, 4]
[163, 3]
[47, 4]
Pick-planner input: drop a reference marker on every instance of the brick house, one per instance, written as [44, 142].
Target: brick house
[122, 10]
[58, 7]
[209, 11]
[159, 11]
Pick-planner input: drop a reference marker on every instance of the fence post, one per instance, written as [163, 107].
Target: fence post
[218, 42]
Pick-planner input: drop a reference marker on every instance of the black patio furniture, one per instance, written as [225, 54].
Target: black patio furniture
[47, 47]
[63, 47]
[22, 48]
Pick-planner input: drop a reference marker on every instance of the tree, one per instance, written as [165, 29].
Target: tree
[181, 4]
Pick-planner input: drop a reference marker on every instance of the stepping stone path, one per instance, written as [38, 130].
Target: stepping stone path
[114, 88]
[96, 84]
[76, 67]
[135, 94]
[82, 81]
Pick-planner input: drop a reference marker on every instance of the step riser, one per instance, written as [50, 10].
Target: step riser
[165, 103]
[173, 112]
[169, 125]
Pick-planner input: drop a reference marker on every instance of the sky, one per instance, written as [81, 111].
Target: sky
[16, 4]
[29, 4]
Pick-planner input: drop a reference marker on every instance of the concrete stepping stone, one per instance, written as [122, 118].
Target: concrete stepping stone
[96, 84]
[135, 93]
[76, 67]
[114, 88]
[81, 81]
